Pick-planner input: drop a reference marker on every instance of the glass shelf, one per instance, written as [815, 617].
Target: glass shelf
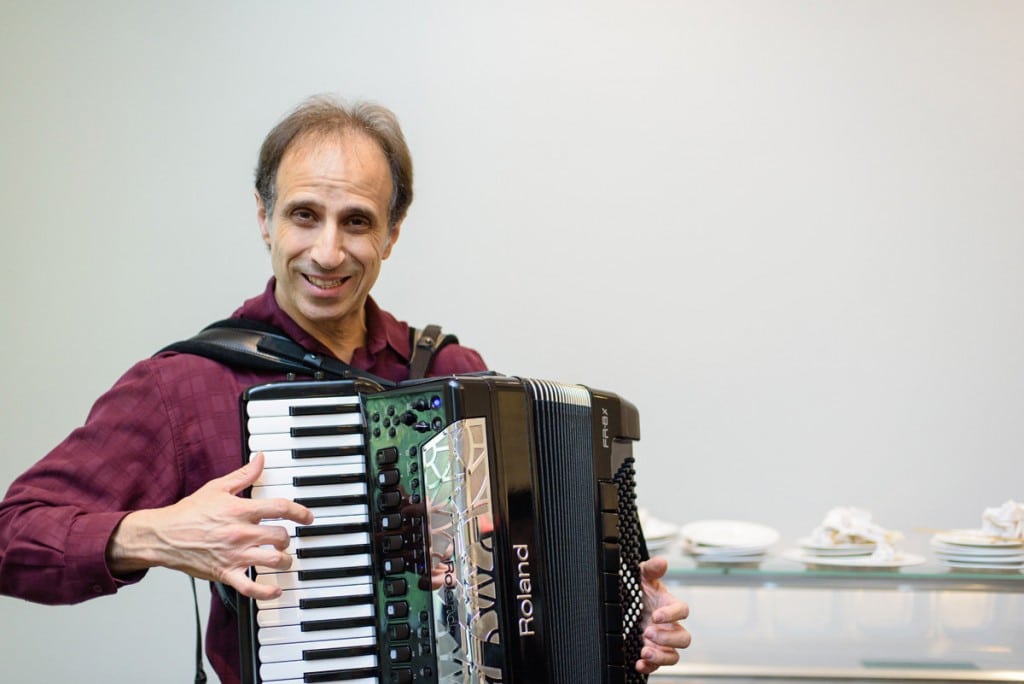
[780, 572]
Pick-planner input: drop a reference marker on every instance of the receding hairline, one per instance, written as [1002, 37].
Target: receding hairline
[325, 117]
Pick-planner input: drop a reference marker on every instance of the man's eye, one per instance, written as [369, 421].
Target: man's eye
[303, 216]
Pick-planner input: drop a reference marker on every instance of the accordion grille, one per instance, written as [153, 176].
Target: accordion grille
[632, 551]
[565, 466]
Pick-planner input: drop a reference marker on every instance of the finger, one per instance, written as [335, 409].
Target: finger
[674, 610]
[653, 569]
[237, 480]
[271, 558]
[241, 582]
[653, 658]
[286, 509]
[674, 636]
[274, 535]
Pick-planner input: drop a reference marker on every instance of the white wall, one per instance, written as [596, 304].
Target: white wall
[790, 232]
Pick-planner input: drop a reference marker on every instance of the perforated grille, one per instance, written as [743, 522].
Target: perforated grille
[633, 551]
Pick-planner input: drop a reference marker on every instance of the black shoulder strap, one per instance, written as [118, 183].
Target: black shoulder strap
[425, 344]
[244, 343]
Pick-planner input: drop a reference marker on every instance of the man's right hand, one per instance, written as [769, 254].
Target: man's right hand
[212, 534]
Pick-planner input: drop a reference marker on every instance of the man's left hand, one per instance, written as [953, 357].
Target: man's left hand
[663, 633]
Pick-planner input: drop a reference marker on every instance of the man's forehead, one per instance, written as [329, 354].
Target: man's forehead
[349, 159]
[350, 141]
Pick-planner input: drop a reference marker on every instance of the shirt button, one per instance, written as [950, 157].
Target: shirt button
[97, 589]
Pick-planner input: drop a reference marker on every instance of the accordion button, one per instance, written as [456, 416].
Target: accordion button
[387, 456]
[388, 478]
[391, 521]
[399, 632]
[396, 587]
[392, 542]
[401, 677]
[389, 500]
[393, 566]
[397, 609]
[400, 654]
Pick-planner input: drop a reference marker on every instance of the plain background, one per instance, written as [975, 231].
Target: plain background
[790, 232]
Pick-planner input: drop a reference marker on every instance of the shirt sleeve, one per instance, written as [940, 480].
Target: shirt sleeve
[57, 518]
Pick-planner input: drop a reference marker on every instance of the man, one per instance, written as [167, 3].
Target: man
[151, 480]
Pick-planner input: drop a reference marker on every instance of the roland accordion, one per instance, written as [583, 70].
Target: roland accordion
[469, 529]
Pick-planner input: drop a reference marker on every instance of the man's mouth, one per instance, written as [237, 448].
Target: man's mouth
[325, 283]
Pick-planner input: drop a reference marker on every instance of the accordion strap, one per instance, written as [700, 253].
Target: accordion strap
[426, 343]
[244, 343]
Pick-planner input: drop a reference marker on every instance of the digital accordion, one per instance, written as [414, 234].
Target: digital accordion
[469, 529]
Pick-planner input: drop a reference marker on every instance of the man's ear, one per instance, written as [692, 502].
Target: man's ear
[392, 239]
[262, 219]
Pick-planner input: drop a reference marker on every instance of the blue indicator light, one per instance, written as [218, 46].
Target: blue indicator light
[435, 402]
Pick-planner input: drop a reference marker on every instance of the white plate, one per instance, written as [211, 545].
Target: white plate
[975, 538]
[700, 550]
[977, 551]
[844, 549]
[731, 533]
[969, 558]
[901, 560]
[659, 544]
[1009, 567]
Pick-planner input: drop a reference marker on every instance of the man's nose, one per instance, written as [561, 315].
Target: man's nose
[329, 249]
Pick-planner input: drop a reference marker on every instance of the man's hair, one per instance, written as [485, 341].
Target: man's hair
[325, 116]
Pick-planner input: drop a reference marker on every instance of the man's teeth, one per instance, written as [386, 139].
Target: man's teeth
[325, 284]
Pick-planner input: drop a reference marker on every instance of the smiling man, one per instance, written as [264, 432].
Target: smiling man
[151, 478]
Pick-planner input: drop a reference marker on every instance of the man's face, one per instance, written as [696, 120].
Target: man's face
[328, 232]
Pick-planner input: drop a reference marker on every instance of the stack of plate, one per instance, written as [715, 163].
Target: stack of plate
[657, 533]
[976, 550]
[848, 555]
[727, 542]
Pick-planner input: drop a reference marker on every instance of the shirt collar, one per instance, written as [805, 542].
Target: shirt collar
[382, 329]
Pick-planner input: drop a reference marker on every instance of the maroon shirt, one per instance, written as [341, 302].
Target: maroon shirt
[167, 427]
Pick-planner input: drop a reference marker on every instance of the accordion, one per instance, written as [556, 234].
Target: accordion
[469, 529]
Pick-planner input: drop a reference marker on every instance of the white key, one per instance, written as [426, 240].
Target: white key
[279, 617]
[269, 424]
[317, 542]
[291, 597]
[298, 668]
[280, 407]
[282, 652]
[284, 459]
[292, 493]
[290, 580]
[360, 560]
[279, 441]
[330, 515]
[284, 476]
[293, 634]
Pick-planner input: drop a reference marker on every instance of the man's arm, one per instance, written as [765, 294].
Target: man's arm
[212, 534]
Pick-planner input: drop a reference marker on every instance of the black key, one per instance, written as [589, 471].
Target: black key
[335, 601]
[331, 573]
[325, 501]
[340, 652]
[327, 452]
[326, 430]
[323, 409]
[339, 528]
[328, 551]
[337, 623]
[316, 480]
